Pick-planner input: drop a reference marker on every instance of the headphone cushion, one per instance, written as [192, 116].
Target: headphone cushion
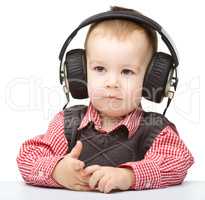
[76, 73]
[156, 77]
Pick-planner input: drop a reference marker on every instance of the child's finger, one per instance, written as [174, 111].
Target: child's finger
[95, 178]
[83, 173]
[76, 151]
[78, 165]
[82, 179]
[91, 169]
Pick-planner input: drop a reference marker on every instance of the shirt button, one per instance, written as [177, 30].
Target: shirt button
[147, 185]
[40, 173]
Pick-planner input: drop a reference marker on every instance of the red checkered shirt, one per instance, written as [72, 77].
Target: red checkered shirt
[164, 164]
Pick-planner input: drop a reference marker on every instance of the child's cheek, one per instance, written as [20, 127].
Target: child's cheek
[95, 91]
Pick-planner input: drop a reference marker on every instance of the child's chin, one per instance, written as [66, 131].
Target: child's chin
[111, 109]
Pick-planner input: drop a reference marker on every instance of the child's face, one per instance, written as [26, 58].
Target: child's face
[116, 68]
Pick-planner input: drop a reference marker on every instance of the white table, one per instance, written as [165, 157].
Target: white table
[19, 191]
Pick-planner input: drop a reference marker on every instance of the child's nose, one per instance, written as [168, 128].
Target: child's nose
[112, 81]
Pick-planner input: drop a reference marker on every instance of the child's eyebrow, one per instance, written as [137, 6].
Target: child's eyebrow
[96, 62]
[121, 65]
[130, 66]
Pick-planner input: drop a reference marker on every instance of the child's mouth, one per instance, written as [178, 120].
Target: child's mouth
[113, 97]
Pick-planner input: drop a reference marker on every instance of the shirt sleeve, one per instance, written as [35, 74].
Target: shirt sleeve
[165, 163]
[38, 156]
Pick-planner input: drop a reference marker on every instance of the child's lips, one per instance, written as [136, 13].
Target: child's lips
[114, 97]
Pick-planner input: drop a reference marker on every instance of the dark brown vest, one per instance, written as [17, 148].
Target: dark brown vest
[114, 148]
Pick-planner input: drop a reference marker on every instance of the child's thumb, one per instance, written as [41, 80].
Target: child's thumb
[75, 152]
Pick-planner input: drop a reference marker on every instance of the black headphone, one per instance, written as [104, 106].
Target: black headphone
[161, 73]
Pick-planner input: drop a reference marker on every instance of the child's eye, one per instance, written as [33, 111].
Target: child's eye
[127, 72]
[99, 68]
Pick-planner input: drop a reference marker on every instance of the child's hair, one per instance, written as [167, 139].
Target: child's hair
[122, 28]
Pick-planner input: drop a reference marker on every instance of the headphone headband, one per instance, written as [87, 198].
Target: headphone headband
[127, 15]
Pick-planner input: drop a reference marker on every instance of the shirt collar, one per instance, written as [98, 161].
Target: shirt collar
[130, 121]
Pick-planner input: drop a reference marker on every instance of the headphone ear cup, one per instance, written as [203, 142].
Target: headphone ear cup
[156, 77]
[76, 69]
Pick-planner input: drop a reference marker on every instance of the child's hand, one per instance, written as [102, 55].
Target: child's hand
[105, 178]
[68, 171]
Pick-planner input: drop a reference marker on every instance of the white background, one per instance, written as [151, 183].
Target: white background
[31, 35]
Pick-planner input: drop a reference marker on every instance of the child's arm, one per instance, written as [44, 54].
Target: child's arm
[38, 157]
[165, 163]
